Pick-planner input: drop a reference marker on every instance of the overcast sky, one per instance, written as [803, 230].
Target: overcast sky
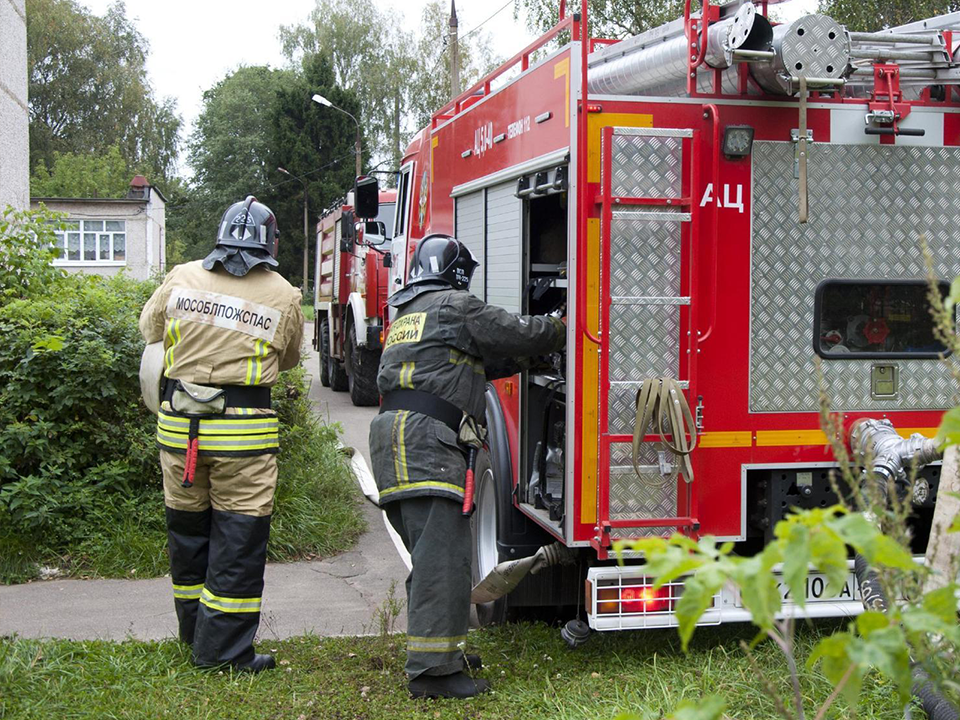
[195, 43]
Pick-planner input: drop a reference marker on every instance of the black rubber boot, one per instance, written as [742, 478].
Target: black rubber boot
[229, 611]
[258, 664]
[459, 686]
[473, 662]
[188, 539]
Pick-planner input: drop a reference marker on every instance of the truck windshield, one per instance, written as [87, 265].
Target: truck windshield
[874, 319]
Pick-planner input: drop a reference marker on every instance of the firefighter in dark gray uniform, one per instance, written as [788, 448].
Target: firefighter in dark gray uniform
[433, 379]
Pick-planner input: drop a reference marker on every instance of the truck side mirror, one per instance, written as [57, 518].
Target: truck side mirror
[374, 233]
[348, 231]
[366, 198]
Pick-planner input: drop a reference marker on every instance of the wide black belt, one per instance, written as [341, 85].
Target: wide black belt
[425, 404]
[245, 396]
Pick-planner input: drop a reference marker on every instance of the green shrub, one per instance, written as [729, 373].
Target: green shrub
[80, 481]
[26, 252]
[317, 510]
[72, 428]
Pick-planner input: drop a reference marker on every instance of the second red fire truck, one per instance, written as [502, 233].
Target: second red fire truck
[350, 294]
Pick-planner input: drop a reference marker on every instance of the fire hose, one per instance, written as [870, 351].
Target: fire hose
[892, 455]
[660, 398]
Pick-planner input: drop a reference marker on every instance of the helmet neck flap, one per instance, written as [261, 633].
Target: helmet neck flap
[237, 261]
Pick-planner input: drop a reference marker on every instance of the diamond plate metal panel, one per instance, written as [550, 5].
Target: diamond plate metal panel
[646, 166]
[645, 259]
[868, 206]
[647, 496]
[644, 343]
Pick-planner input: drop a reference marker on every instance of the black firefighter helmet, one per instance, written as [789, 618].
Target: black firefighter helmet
[247, 236]
[439, 261]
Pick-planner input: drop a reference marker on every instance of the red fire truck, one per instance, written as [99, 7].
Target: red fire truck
[721, 201]
[349, 296]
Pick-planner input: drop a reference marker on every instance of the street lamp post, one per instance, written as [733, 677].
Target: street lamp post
[306, 231]
[320, 99]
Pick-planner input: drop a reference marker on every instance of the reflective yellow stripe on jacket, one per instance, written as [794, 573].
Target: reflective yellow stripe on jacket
[222, 434]
[255, 362]
[427, 484]
[173, 332]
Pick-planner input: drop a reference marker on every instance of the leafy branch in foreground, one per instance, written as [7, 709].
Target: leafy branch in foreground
[808, 539]
[913, 640]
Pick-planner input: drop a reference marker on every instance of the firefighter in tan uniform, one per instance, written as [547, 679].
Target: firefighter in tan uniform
[442, 348]
[230, 325]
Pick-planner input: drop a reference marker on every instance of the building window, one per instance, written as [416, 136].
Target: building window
[93, 241]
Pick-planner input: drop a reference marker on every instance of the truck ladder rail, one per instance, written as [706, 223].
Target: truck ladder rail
[482, 87]
[682, 210]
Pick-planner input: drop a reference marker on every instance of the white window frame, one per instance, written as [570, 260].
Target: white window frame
[82, 229]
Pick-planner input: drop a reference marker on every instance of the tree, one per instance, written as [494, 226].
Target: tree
[871, 15]
[315, 144]
[607, 18]
[82, 176]
[399, 78]
[229, 152]
[89, 91]
[368, 54]
[232, 139]
[253, 121]
[429, 88]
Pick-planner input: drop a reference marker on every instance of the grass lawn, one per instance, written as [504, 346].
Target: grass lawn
[308, 313]
[534, 674]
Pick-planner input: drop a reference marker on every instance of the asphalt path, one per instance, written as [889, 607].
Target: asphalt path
[336, 596]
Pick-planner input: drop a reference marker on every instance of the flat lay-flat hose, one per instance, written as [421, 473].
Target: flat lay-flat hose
[660, 398]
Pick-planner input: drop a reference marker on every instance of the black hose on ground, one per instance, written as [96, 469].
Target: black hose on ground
[935, 705]
[871, 592]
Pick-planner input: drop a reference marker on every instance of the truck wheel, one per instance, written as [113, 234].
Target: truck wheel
[484, 524]
[338, 375]
[362, 377]
[324, 353]
[335, 371]
[501, 533]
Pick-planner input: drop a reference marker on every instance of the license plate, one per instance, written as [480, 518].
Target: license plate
[815, 590]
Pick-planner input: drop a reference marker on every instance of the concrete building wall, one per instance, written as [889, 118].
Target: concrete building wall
[14, 112]
[157, 229]
[145, 233]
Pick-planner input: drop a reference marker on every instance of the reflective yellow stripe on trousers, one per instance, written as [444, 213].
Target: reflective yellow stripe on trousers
[230, 605]
[435, 644]
[187, 592]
